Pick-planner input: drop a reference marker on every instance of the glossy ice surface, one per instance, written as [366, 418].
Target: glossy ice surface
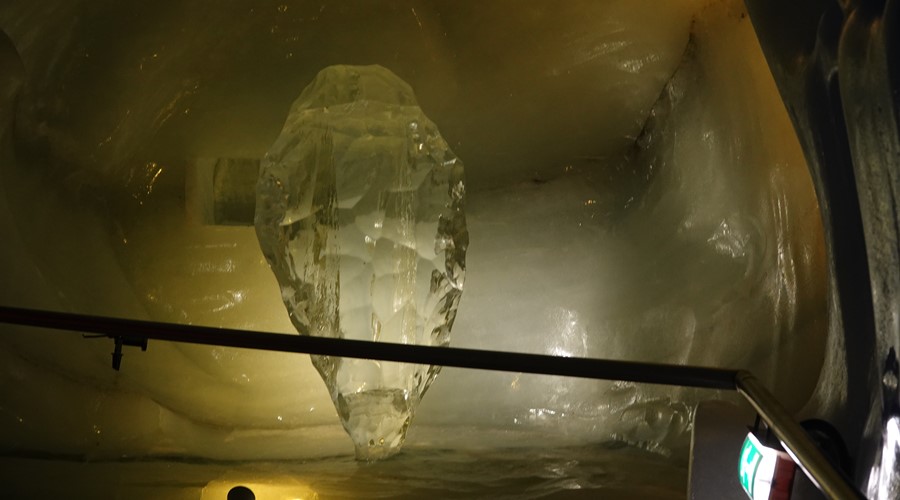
[360, 215]
[628, 198]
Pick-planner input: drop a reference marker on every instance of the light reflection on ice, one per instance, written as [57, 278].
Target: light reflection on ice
[690, 253]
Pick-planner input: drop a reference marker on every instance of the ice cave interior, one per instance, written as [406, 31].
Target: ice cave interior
[634, 190]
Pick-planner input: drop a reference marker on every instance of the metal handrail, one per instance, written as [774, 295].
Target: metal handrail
[793, 438]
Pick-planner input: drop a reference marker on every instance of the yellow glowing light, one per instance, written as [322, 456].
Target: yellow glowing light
[264, 487]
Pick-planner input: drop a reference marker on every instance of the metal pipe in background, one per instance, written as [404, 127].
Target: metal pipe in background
[649, 373]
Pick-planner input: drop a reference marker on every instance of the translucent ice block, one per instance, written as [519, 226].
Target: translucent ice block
[360, 215]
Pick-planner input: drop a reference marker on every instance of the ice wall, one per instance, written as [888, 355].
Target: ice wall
[689, 236]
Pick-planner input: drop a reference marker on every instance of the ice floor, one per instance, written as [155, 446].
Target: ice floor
[595, 471]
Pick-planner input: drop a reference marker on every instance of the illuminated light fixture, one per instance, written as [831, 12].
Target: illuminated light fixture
[765, 473]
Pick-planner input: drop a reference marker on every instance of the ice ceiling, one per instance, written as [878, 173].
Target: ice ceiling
[635, 191]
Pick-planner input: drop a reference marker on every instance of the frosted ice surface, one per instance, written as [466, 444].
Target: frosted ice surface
[359, 211]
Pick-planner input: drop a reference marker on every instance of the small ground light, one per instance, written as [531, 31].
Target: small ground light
[235, 485]
[241, 493]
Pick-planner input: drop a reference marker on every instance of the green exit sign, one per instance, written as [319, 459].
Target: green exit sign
[765, 473]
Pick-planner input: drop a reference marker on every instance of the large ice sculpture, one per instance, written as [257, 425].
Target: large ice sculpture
[359, 211]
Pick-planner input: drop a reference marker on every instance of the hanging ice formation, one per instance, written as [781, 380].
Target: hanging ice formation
[360, 214]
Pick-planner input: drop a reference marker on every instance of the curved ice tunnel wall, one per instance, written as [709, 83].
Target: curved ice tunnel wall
[690, 236]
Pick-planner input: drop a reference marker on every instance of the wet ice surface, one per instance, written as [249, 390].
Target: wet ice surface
[596, 471]
[702, 248]
[360, 215]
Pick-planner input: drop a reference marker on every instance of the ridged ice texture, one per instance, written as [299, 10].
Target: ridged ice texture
[359, 211]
